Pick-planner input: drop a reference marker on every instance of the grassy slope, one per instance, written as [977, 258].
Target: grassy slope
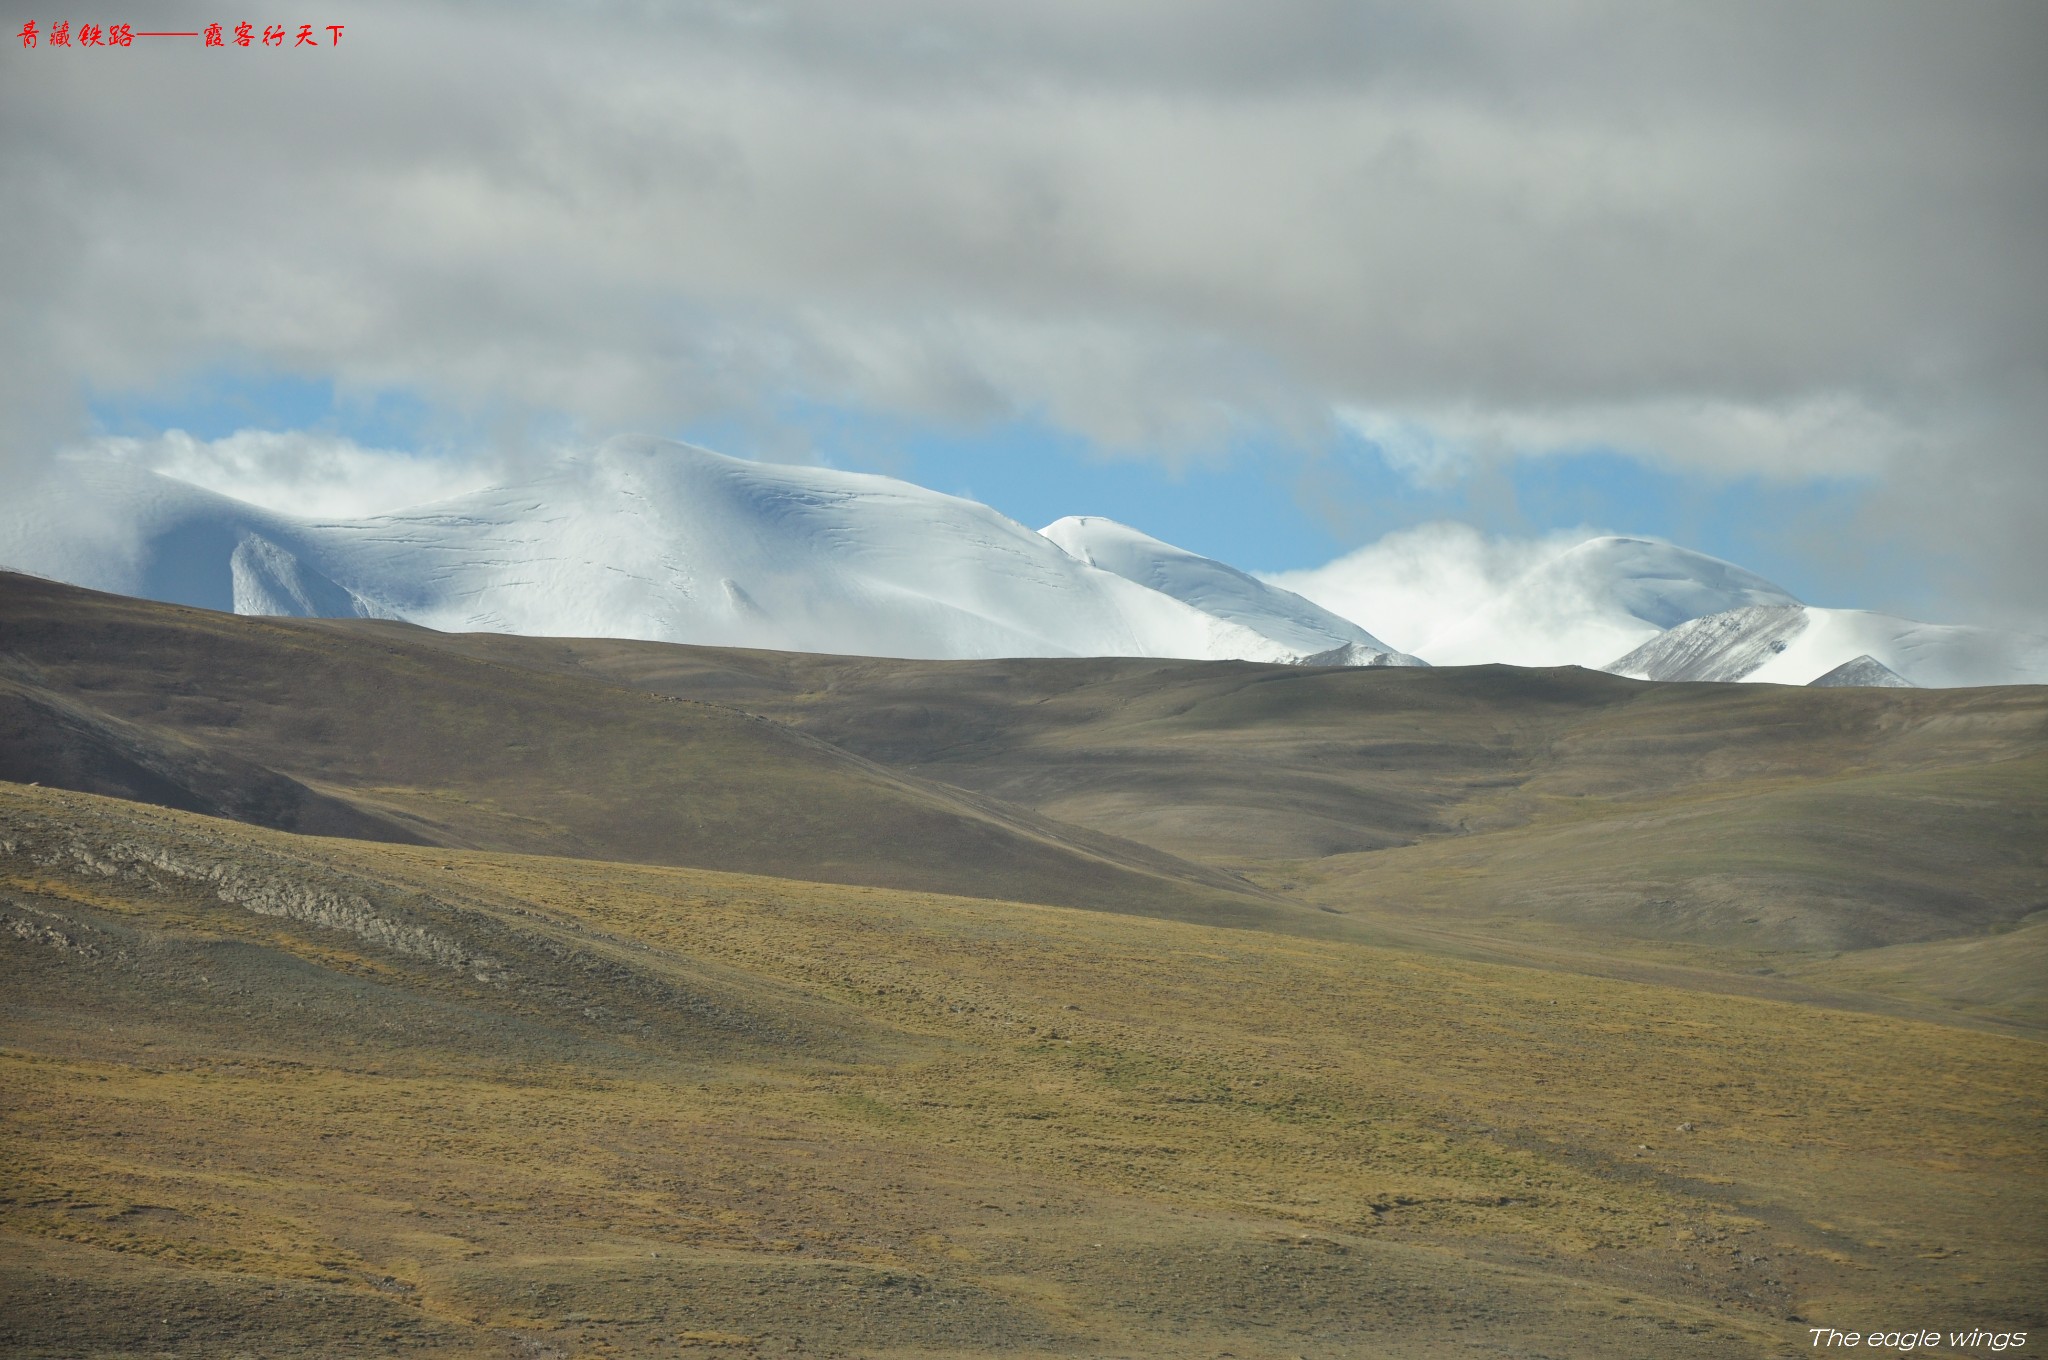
[293, 1096]
[1743, 828]
[1852, 862]
[1565, 817]
[417, 740]
[1246, 764]
[54, 739]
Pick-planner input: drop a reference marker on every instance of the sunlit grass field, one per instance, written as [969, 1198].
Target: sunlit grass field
[274, 1095]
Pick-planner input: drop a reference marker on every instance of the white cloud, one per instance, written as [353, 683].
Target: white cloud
[1414, 583]
[1394, 209]
[1430, 451]
[1820, 435]
[1792, 241]
[309, 475]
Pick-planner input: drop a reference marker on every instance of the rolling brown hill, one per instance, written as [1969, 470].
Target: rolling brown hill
[478, 996]
[1568, 816]
[292, 1096]
[388, 731]
[1764, 836]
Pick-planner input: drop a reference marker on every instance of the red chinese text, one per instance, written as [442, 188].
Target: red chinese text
[62, 33]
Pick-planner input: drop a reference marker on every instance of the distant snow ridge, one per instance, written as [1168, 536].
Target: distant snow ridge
[1650, 610]
[1805, 645]
[1596, 601]
[1864, 672]
[646, 538]
[1725, 646]
[1358, 654]
[266, 579]
[1313, 633]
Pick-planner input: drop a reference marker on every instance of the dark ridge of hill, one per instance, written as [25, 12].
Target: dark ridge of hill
[1238, 763]
[46, 739]
[391, 732]
[1221, 761]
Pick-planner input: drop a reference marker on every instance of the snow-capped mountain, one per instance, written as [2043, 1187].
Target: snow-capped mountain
[1310, 630]
[646, 538]
[1646, 609]
[1801, 645]
[649, 539]
[1597, 600]
[1725, 646]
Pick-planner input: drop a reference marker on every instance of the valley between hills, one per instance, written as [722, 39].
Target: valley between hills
[370, 990]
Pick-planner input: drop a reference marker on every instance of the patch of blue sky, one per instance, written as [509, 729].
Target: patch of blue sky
[217, 403]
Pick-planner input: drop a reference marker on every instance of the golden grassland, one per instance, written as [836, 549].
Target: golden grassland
[1858, 846]
[1910, 887]
[661, 1111]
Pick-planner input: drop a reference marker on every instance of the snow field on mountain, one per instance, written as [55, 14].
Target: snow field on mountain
[638, 538]
[1219, 590]
[1797, 645]
[648, 538]
[1933, 656]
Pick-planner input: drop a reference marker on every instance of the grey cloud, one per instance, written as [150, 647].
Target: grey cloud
[1154, 222]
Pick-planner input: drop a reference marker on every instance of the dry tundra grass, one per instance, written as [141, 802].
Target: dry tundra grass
[270, 1095]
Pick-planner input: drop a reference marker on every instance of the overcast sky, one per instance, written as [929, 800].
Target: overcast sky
[1386, 262]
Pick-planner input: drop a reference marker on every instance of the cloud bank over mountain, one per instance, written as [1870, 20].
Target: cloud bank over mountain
[1547, 603]
[649, 538]
[645, 538]
[301, 473]
[1413, 583]
[1754, 243]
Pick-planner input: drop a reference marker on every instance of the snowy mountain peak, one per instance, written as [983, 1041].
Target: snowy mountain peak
[1804, 645]
[1724, 646]
[1660, 584]
[1223, 591]
[647, 538]
[1598, 600]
